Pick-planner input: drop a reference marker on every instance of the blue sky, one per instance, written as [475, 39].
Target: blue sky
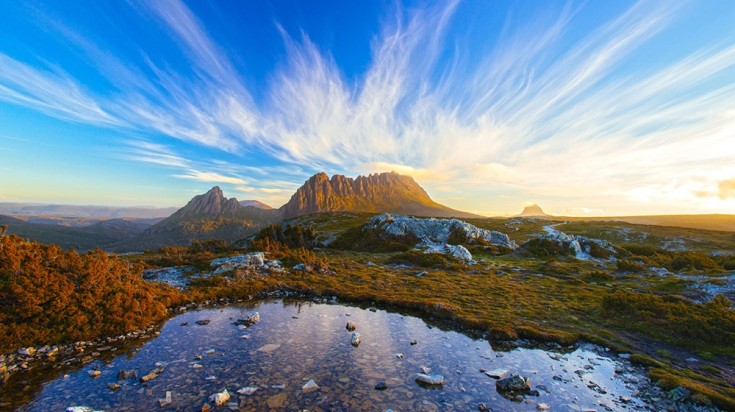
[582, 107]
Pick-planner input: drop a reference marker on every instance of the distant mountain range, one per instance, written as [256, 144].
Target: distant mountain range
[91, 212]
[255, 203]
[102, 234]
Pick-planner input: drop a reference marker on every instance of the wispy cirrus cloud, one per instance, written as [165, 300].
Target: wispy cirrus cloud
[211, 177]
[539, 113]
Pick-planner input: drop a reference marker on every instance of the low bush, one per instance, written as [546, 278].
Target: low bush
[372, 240]
[671, 319]
[49, 295]
[545, 248]
[416, 258]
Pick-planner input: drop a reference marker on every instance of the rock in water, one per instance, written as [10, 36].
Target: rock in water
[153, 375]
[351, 326]
[497, 373]
[248, 390]
[203, 322]
[220, 398]
[29, 351]
[429, 379]
[309, 386]
[80, 409]
[356, 339]
[277, 401]
[251, 320]
[165, 401]
[515, 383]
[380, 386]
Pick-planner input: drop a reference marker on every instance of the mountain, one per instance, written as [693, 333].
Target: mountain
[376, 193]
[207, 216]
[533, 211]
[255, 203]
[76, 211]
[102, 234]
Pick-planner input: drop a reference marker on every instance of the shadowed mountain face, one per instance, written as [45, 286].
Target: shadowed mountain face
[207, 216]
[376, 193]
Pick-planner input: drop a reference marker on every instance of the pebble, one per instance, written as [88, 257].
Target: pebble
[429, 379]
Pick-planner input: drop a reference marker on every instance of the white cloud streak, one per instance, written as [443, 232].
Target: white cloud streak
[532, 114]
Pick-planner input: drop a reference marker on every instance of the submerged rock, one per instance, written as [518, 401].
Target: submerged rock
[277, 401]
[165, 401]
[356, 339]
[248, 390]
[269, 348]
[309, 386]
[127, 374]
[429, 379]
[220, 398]
[380, 386]
[514, 383]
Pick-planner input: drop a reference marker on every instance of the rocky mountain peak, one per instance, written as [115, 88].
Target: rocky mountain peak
[212, 203]
[375, 193]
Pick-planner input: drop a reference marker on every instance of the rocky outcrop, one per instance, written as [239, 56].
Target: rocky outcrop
[376, 193]
[584, 248]
[438, 231]
[533, 211]
[437, 235]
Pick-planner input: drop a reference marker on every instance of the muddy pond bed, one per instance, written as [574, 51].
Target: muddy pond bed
[300, 355]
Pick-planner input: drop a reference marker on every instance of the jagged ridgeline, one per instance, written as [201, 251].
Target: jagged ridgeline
[212, 215]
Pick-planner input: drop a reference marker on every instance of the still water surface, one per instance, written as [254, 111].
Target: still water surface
[298, 341]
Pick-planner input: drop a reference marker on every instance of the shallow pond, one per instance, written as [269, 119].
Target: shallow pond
[298, 341]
